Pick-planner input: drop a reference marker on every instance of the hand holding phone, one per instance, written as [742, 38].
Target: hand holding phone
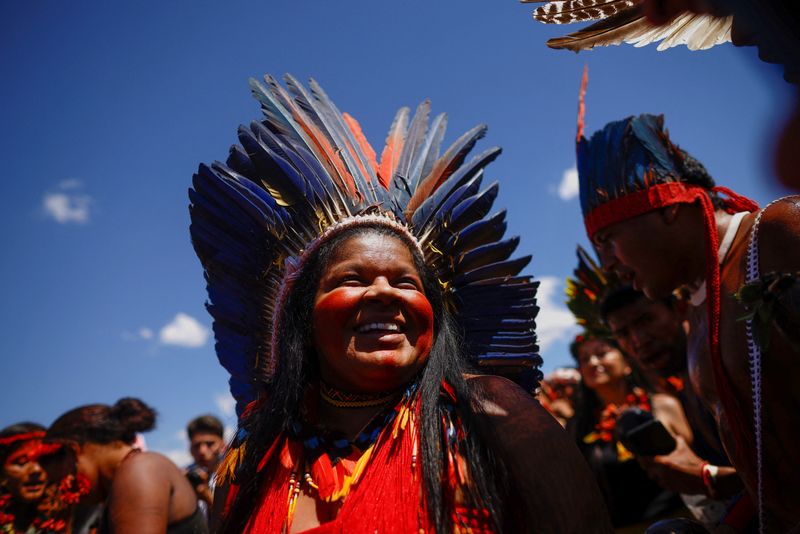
[643, 434]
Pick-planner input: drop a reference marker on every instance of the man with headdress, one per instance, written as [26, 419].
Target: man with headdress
[29, 502]
[658, 220]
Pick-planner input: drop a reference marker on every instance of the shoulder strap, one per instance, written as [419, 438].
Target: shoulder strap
[754, 351]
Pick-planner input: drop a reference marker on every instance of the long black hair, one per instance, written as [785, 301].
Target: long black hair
[297, 367]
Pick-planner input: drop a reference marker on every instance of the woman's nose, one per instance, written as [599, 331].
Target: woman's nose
[380, 290]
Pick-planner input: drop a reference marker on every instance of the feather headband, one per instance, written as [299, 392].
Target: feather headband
[305, 172]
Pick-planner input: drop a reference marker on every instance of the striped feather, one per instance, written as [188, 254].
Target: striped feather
[569, 11]
[623, 21]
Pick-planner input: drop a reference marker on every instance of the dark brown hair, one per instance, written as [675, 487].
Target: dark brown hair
[205, 424]
[100, 423]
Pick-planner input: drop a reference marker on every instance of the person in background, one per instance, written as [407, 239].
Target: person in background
[651, 332]
[144, 492]
[27, 503]
[557, 393]
[609, 387]
[660, 222]
[207, 445]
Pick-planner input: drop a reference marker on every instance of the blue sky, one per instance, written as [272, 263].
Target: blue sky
[107, 108]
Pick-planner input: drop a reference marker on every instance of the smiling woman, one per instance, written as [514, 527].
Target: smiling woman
[373, 324]
[611, 389]
[360, 308]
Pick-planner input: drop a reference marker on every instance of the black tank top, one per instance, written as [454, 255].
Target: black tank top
[194, 524]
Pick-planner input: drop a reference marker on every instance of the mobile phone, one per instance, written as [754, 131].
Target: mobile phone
[195, 478]
[643, 434]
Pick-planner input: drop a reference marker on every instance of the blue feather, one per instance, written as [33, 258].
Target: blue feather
[472, 209]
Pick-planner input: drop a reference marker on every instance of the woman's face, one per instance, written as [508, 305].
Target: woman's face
[601, 364]
[372, 324]
[22, 474]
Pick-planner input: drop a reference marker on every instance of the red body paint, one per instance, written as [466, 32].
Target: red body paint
[372, 282]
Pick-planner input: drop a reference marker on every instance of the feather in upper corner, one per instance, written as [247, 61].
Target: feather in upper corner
[623, 21]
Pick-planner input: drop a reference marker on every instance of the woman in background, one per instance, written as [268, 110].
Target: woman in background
[144, 492]
[608, 387]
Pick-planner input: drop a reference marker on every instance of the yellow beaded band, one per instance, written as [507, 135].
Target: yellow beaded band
[344, 399]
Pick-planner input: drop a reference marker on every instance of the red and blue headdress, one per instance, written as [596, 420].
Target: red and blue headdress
[630, 168]
[304, 173]
[626, 169]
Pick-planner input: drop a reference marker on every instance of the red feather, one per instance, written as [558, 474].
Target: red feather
[394, 147]
[366, 148]
[324, 475]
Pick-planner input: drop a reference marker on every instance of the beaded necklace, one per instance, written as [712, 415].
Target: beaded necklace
[332, 462]
[604, 429]
[345, 399]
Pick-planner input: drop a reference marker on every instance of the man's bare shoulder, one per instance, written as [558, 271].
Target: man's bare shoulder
[779, 236]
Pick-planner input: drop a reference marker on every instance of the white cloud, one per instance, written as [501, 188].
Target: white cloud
[225, 403]
[67, 208]
[145, 333]
[230, 431]
[554, 322]
[184, 331]
[568, 187]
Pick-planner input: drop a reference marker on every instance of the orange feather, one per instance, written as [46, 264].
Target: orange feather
[394, 147]
[366, 148]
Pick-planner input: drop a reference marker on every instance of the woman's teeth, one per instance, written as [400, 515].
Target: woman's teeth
[372, 327]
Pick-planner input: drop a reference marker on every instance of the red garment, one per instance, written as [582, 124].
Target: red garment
[388, 498]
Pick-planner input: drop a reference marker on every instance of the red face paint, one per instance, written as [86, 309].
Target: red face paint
[24, 477]
[373, 325]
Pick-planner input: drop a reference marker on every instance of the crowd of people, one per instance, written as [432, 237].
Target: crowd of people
[382, 350]
[375, 408]
[90, 472]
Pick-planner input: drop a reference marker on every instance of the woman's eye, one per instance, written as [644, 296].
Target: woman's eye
[350, 281]
[408, 283]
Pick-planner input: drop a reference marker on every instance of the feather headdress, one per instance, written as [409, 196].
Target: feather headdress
[618, 21]
[630, 168]
[304, 170]
[585, 291]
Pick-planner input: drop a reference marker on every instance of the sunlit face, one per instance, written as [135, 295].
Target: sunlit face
[652, 334]
[22, 474]
[638, 250]
[206, 449]
[601, 364]
[372, 323]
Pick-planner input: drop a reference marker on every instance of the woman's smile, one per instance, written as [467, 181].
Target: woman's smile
[373, 324]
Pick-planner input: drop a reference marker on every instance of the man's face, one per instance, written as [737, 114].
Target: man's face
[206, 449]
[22, 475]
[652, 334]
[639, 251]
